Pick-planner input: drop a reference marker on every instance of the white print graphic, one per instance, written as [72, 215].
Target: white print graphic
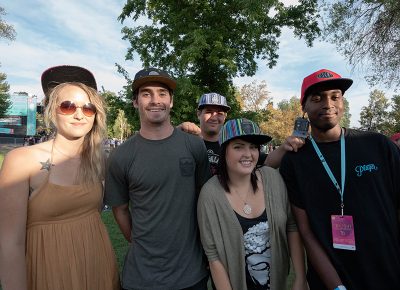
[258, 253]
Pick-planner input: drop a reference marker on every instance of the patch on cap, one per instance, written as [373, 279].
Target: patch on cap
[153, 75]
[323, 77]
[213, 99]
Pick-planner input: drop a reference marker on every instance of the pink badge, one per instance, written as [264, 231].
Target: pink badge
[343, 232]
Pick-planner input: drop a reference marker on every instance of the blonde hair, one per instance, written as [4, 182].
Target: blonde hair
[91, 169]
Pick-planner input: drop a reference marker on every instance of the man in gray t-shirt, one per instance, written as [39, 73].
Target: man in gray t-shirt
[152, 184]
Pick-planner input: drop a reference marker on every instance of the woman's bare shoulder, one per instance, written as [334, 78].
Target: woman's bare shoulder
[28, 157]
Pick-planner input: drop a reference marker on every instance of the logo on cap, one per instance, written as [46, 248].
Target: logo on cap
[325, 75]
[249, 128]
[214, 99]
[154, 73]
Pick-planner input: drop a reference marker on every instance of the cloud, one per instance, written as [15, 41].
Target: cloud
[77, 32]
[87, 33]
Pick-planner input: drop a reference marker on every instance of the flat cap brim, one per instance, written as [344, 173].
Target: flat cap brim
[66, 74]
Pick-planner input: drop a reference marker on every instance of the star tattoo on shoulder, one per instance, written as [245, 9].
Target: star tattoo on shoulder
[46, 165]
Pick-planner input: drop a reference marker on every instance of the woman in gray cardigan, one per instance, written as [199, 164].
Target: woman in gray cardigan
[244, 216]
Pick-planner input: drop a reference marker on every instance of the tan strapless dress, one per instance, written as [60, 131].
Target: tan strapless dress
[67, 244]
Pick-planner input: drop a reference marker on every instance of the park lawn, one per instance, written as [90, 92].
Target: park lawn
[2, 154]
[3, 151]
[117, 239]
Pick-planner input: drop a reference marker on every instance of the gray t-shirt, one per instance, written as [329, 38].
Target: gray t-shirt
[161, 179]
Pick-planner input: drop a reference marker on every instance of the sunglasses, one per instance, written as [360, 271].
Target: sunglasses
[69, 108]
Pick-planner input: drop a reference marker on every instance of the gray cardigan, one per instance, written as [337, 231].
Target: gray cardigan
[222, 236]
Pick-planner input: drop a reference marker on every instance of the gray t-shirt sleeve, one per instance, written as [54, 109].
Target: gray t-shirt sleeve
[116, 188]
[203, 171]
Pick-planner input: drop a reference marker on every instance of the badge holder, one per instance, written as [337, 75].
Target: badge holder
[343, 232]
[301, 126]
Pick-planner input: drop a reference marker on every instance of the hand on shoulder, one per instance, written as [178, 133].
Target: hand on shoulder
[190, 128]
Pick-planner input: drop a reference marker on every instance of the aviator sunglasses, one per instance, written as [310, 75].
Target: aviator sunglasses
[69, 108]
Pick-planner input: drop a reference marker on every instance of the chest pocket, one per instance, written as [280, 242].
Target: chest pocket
[186, 166]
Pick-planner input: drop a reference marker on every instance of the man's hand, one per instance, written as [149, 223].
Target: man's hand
[293, 143]
[190, 128]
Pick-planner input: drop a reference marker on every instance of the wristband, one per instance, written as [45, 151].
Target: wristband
[340, 287]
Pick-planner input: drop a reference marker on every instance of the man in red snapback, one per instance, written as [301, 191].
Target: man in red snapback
[345, 194]
[396, 139]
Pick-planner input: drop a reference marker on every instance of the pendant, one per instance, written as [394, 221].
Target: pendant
[247, 209]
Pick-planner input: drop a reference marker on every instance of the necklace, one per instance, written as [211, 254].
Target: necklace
[246, 208]
[66, 155]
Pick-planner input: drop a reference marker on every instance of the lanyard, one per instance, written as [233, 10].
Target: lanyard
[342, 166]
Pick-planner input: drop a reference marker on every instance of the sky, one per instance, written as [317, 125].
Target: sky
[87, 33]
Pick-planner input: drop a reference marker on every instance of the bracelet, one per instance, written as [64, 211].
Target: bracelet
[340, 287]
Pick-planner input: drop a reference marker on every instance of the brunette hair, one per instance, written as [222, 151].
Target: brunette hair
[92, 165]
[223, 175]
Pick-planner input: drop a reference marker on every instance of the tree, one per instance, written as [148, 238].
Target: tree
[281, 121]
[395, 114]
[6, 31]
[121, 127]
[208, 43]
[345, 121]
[253, 100]
[5, 102]
[254, 96]
[367, 33]
[374, 116]
[114, 103]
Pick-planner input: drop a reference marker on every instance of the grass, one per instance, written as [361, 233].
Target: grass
[3, 150]
[117, 239]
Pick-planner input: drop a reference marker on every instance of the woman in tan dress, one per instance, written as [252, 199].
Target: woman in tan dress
[51, 233]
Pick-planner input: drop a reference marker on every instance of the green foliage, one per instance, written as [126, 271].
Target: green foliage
[121, 129]
[395, 114]
[1, 159]
[5, 101]
[205, 44]
[367, 33]
[374, 117]
[118, 241]
[6, 31]
[114, 103]
[221, 37]
[345, 121]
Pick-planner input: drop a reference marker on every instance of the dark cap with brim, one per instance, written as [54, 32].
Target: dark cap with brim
[153, 75]
[54, 76]
[322, 79]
